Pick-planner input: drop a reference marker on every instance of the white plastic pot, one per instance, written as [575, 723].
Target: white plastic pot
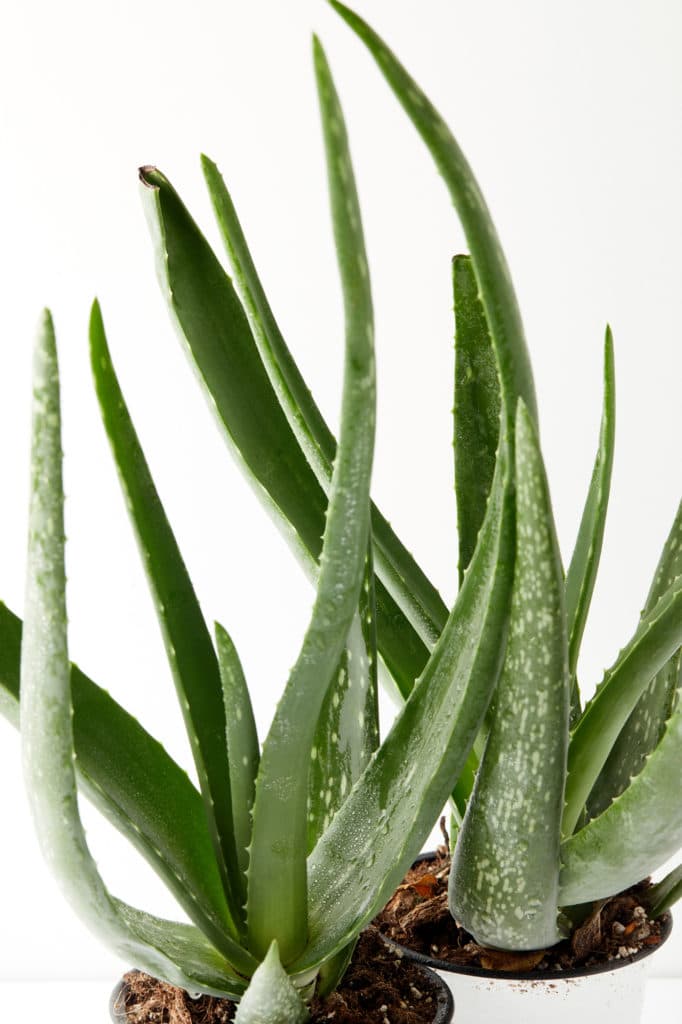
[596, 995]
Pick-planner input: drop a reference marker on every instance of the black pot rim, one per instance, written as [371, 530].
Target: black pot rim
[547, 975]
[444, 1003]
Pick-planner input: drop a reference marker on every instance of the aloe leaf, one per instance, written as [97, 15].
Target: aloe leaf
[243, 749]
[221, 347]
[476, 411]
[279, 844]
[656, 640]
[131, 779]
[382, 824]
[664, 894]
[636, 834]
[582, 572]
[417, 598]
[271, 996]
[348, 728]
[46, 717]
[508, 843]
[492, 273]
[188, 642]
[644, 727]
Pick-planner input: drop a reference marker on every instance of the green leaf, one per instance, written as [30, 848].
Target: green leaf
[221, 347]
[664, 894]
[279, 844]
[636, 834]
[46, 718]
[131, 779]
[188, 643]
[417, 598]
[243, 750]
[508, 843]
[656, 640]
[644, 727]
[271, 997]
[476, 411]
[381, 826]
[347, 731]
[582, 572]
[492, 273]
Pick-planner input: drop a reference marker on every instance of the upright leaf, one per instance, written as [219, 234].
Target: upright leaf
[504, 881]
[476, 409]
[492, 273]
[221, 347]
[381, 826]
[644, 728]
[188, 643]
[348, 728]
[661, 896]
[243, 750]
[271, 995]
[582, 572]
[177, 953]
[656, 640]
[417, 598]
[279, 844]
[636, 834]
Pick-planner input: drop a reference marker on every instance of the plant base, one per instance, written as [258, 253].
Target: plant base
[380, 986]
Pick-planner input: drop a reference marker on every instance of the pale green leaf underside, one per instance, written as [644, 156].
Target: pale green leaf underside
[504, 881]
[279, 843]
[188, 642]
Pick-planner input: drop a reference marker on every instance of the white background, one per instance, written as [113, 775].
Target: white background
[570, 115]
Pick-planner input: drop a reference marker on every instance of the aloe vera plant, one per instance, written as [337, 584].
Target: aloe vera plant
[289, 848]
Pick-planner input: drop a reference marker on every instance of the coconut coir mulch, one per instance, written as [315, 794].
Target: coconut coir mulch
[417, 916]
[378, 988]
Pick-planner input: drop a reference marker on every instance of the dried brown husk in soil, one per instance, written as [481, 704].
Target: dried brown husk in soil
[417, 916]
[378, 987]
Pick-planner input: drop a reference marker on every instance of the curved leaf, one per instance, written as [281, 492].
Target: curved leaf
[243, 750]
[476, 411]
[188, 643]
[636, 834]
[645, 726]
[582, 572]
[221, 347]
[131, 779]
[657, 638]
[46, 718]
[492, 273]
[279, 844]
[508, 843]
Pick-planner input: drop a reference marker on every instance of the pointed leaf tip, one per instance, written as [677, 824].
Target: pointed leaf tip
[271, 996]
